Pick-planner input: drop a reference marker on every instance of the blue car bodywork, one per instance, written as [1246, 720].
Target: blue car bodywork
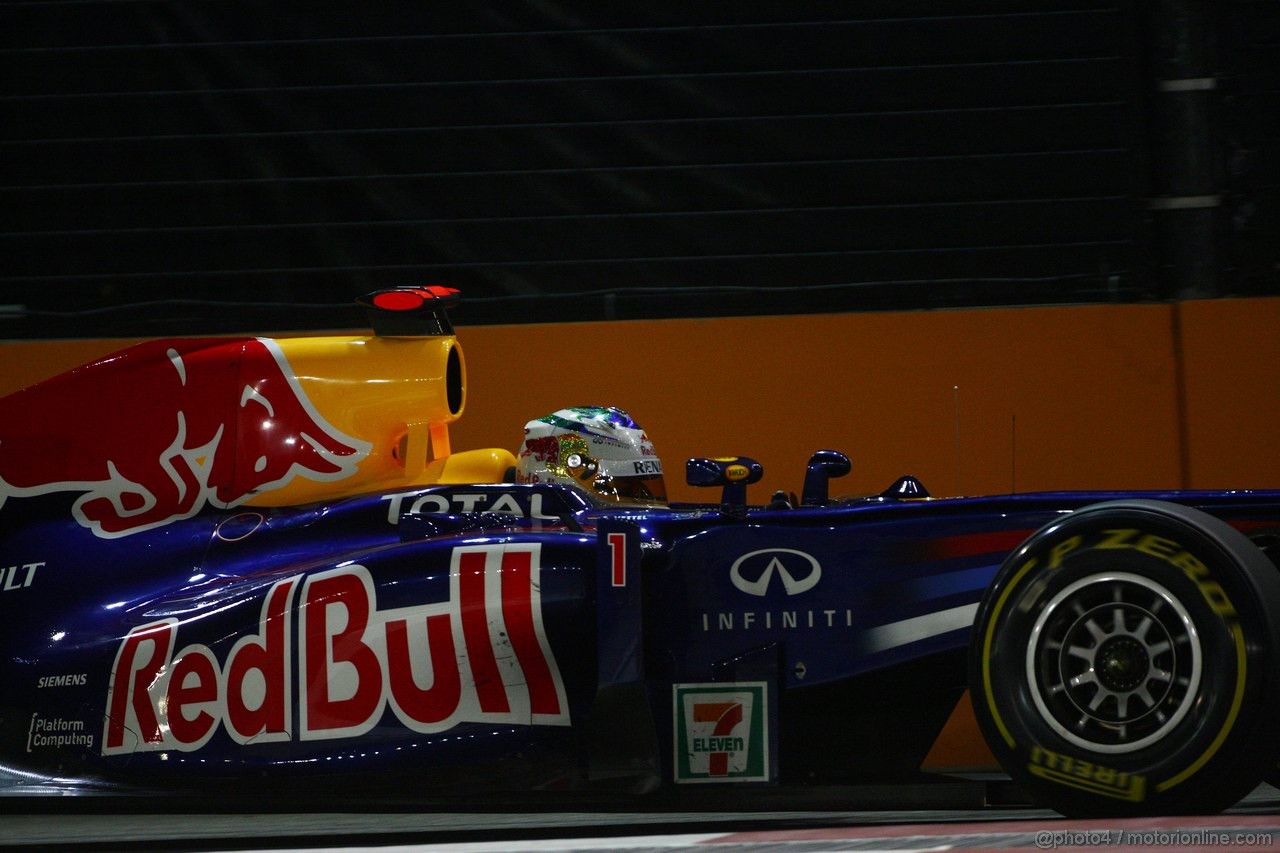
[468, 639]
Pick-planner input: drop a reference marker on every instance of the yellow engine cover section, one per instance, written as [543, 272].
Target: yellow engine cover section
[397, 394]
[159, 431]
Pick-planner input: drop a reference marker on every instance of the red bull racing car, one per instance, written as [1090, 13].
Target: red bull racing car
[258, 565]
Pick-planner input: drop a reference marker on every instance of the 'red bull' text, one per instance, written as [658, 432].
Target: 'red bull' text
[479, 656]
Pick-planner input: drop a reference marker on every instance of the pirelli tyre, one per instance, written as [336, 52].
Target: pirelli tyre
[1124, 662]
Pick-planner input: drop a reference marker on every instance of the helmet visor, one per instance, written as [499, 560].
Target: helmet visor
[645, 489]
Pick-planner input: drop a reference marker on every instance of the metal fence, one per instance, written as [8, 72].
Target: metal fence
[233, 165]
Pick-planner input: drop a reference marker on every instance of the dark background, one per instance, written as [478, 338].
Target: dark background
[231, 164]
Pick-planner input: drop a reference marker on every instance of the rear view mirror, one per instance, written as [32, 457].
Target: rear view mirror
[734, 473]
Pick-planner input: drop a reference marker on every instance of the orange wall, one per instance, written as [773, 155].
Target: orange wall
[1131, 396]
[1232, 358]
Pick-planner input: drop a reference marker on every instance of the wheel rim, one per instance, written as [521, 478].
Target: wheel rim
[1113, 662]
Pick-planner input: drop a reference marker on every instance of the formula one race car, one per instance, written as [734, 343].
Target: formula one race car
[260, 562]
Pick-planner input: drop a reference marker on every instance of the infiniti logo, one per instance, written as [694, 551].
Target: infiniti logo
[777, 561]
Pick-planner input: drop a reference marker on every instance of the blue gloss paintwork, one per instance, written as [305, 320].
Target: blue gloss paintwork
[679, 617]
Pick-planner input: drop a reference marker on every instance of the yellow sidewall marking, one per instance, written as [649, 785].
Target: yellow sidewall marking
[1236, 702]
[1132, 794]
[986, 650]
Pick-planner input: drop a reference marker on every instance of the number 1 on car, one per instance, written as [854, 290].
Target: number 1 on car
[618, 553]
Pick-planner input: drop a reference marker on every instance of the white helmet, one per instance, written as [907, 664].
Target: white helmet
[595, 448]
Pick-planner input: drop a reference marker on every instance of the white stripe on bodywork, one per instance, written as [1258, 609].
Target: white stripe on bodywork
[894, 634]
[251, 393]
[176, 358]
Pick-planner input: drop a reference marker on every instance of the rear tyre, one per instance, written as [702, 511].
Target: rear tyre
[1124, 662]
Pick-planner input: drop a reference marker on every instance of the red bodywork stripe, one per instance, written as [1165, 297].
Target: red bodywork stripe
[517, 613]
[973, 544]
[475, 632]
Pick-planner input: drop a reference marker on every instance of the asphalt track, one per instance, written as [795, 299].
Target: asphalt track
[53, 823]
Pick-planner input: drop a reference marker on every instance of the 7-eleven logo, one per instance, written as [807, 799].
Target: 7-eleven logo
[721, 732]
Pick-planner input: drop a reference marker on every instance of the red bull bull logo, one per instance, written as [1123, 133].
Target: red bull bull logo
[157, 432]
[480, 656]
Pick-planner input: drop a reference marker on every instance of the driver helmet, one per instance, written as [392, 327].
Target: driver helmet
[596, 448]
